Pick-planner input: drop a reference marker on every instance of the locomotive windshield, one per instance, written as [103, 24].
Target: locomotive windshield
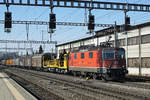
[121, 54]
[108, 54]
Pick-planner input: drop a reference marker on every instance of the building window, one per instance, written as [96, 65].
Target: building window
[75, 56]
[146, 62]
[90, 54]
[122, 42]
[146, 39]
[133, 41]
[133, 62]
[82, 55]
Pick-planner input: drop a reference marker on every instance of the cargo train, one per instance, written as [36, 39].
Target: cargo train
[96, 62]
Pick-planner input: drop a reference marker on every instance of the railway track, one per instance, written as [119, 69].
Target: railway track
[142, 85]
[136, 83]
[22, 84]
[130, 83]
[90, 92]
[71, 89]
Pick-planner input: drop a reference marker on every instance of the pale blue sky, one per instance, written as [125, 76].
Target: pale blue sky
[65, 33]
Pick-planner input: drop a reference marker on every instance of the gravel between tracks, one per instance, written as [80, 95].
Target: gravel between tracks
[101, 90]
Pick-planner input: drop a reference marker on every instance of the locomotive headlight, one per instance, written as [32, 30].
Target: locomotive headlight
[104, 70]
[123, 66]
[108, 70]
[116, 62]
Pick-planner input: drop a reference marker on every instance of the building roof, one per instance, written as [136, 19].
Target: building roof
[108, 31]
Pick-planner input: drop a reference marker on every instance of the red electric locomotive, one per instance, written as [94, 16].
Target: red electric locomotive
[99, 62]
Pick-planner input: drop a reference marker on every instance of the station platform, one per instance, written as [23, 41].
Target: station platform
[10, 90]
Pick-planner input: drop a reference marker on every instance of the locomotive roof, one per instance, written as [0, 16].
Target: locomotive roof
[92, 48]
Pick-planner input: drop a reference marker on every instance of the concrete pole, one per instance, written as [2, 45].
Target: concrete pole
[6, 47]
[115, 36]
[97, 41]
[127, 50]
[126, 32]
[27, 30]
[55, 48]
[140, 59]
[18, 46]
[42, 34]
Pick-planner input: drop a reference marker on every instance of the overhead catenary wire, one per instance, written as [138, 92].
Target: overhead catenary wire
[111, 12]
[143, 17]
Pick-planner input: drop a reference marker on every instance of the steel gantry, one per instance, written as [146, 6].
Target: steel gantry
[23, 43]
[80, 4]
[57, 23]
[28, 42]
[31, 49]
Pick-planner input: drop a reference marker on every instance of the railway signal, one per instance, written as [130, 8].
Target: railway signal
[127, 23]
[8, 22]
[127, 20]
[91, 24]
[52, 23]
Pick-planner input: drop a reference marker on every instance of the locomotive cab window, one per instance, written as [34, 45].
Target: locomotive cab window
[82, 55]
[90, 54]
[121, 54]
[108, 54]
[75, 56]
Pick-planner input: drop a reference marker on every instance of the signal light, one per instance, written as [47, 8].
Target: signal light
[91, 24]
[52, 23]
[91, 18]
[127, 23]
[8, 20]
[127, 20]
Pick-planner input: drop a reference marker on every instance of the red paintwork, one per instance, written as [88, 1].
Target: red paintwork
[95, 62]
[113, 63]
[86, 62]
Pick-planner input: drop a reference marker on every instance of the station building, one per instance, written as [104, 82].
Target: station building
[136, 43]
